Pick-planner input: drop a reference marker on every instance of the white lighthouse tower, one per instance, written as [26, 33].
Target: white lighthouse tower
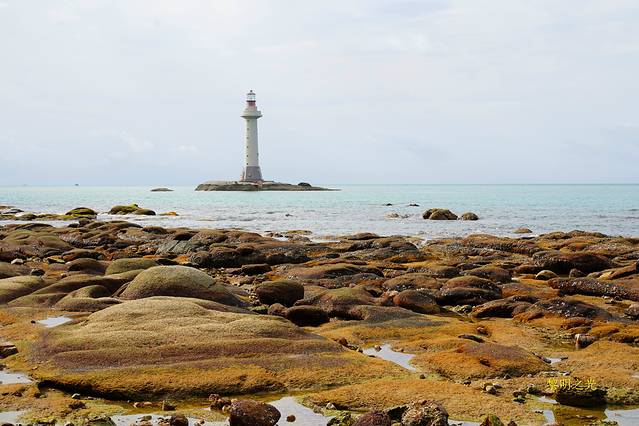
[252, 171]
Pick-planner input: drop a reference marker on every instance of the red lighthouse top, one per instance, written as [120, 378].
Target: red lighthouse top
[250, 98]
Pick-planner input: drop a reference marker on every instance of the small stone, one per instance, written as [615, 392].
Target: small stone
[36, 272]
[76, 396]
[482, 330]
[290, 418]
[178, 420]
[584, 340]
[490, 389]
[167, 406]
[330, 406]
[17, 261]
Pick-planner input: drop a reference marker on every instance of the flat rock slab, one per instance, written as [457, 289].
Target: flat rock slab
[189, 347]
[257, 186]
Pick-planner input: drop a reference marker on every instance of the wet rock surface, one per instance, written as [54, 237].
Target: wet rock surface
[168, 314]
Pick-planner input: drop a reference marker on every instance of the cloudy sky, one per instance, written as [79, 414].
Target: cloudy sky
[149, 92]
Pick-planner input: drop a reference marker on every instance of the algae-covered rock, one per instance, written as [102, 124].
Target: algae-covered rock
[167, 346]
[469, 216]
[179, 281]
[285, 292]
[425, 413]
[129, 264]
[82, 212]
[439, 214]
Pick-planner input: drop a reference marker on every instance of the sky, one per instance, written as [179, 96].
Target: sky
[149, 92]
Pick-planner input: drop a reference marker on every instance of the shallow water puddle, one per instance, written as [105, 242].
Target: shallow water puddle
[303, 415]
[553, 360]
[624, 417]
[547, 400]
[10, 416]
[9, 378]
[388, 354]
[54, 321]
[130, 419]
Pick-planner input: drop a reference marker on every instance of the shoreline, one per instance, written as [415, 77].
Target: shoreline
[463, 312]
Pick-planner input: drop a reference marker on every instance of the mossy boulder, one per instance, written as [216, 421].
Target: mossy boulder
[178, 281]
[82, 212]
[129, 264]
[439, 214]
[122, 209]
[15, 287]
[286, 292]
[469, 216]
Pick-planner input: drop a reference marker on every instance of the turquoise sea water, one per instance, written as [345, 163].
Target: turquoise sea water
[612, 209]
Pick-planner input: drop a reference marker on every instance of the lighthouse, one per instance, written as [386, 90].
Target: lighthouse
[251, 171]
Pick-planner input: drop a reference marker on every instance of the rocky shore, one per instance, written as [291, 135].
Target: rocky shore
[494, 330]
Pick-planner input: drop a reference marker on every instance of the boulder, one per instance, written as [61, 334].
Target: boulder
[129, 264]
[439, 214]
[144, 212]
[412, 281]
[561, 263]
[492, 273]
[416, 301]
[15, 287]
[522, 231]
[492, 420]
[373, 418]
[569, 308]
[545, 275]
[121, 209]
[469, 216]
[8, 270]
[581, 396]
[252, 413]
[88, 265]
[178, 281]
[501, 308]
[82, 212]
[468, 290]
[306, 316]
[74, 254]
[425, 413]
[162, 189]
[286, 292]
[594, 287]
[632, 311]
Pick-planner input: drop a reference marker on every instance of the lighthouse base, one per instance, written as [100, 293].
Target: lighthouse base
[251, 174]
[256, 186]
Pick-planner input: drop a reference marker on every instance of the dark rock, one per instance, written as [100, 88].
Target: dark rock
[416, 301]
[581, 396]
[501, 308]
[562, 263]
[576, 273]
[373, 418]
[7, 349]
[306, 316]
[284, 291]
[425, 413]
[492, 273]
[491, 420]
[255, 269]
[632, 311]
[439, 214]
[522, 231]
[584, 340]
[277, 309]
[471, 337]
[567, 307]
[545, 275]
[178, 420]
[593, 287]
[162, 189]
[469, 216]
[412, 281]
[252, 413]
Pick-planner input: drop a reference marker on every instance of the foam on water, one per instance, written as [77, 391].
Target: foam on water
[359, 208]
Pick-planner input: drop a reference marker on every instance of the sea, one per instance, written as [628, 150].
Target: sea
[381, 209]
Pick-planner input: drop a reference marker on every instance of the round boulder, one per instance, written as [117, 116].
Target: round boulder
[178, 281]
[373, 418]
[284, 291]
[253, 413]
[469, 216]
[439, 214]
[305, 315]
[129, 264]
[425, 413]
[416, 301]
